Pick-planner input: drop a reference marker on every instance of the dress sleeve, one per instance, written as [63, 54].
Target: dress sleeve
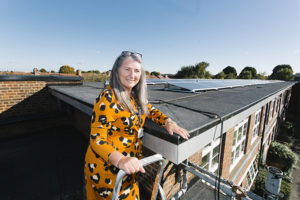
[156, 115]
[102, 118]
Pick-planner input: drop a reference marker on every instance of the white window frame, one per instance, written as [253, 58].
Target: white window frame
[209, 151]
[255, 129]
[239, 145]
[251, 174]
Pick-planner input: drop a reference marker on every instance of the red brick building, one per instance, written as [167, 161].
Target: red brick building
[231, 126]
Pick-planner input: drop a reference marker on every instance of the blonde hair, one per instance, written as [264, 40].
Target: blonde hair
[139, 91]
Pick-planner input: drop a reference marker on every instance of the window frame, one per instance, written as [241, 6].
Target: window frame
[208, 150]
[239, 146]
[251, 173]
[255, 130]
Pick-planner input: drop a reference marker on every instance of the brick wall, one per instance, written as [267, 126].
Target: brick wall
[228, 142]
[262, 120]
[27, 96]
[23, 97]
[172, 177]
[250, 132]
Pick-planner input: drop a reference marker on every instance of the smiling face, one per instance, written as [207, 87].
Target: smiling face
[129, 74]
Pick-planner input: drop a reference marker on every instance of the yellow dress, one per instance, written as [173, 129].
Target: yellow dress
[113, 128]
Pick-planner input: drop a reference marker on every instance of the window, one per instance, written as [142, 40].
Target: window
[210, 156]
[251, 174]
[256, 125]
[239, 142]
[205, 161]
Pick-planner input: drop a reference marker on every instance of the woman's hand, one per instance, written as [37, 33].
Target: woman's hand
[172, 127]
[130, 165]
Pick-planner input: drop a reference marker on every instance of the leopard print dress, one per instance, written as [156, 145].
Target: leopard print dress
[113, 129]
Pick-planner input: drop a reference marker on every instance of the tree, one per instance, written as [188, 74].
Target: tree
[66, 69]
[261, 76]
[43, 70]
[194, 71]
[282, 72]
[230, 70]
[230, 76]
[185, 72]
[220, 75]
[245, 75]
[208, 75]
[282, 155]
[200, 70]
[52, 71]
[147, 72]
[93, 71]
[154, 73]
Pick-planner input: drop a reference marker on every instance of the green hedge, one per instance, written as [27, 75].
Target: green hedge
[283, 156]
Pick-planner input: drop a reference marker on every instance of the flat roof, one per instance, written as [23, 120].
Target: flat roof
[197, 112]
[185, 108]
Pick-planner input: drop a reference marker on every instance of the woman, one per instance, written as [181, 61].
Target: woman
[116, 129]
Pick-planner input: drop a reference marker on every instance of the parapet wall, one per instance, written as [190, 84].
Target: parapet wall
[22, 95]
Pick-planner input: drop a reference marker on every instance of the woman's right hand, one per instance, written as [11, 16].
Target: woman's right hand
[130, 165]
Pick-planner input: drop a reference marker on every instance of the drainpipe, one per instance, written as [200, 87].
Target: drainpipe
[184, 186]
[263, 135]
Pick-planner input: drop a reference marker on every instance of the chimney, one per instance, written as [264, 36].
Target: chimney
[78, 72]
[36, 71]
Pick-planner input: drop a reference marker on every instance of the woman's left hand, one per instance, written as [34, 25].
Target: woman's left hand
[173, 127]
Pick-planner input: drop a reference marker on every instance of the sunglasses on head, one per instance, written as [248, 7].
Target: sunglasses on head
[130, 53]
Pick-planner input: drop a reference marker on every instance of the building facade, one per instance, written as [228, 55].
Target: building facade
[231, 128]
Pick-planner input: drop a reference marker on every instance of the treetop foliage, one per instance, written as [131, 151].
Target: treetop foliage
[66, 69]
[194, 71]
[244, 75]
[220, 75]
[92, 71]
[282, 72]
[230, 70]
[43, 70]
[279, 67]
[155, 73]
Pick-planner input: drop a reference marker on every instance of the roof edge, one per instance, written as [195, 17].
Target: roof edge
[50, 78]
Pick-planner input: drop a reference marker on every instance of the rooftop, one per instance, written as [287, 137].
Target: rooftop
[182, 105]
[198, 112]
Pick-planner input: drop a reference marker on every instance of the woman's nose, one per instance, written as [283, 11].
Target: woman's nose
[131, 73]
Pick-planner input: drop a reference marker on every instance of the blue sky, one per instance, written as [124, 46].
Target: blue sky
[90, 34]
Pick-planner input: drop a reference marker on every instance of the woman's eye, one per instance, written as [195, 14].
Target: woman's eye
[137, 71]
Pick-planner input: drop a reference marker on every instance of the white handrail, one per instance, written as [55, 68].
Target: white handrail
[145, 161]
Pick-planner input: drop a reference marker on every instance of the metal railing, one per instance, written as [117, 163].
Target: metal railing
[156, 185]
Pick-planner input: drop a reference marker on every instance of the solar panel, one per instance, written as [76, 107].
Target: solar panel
[195, 85]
